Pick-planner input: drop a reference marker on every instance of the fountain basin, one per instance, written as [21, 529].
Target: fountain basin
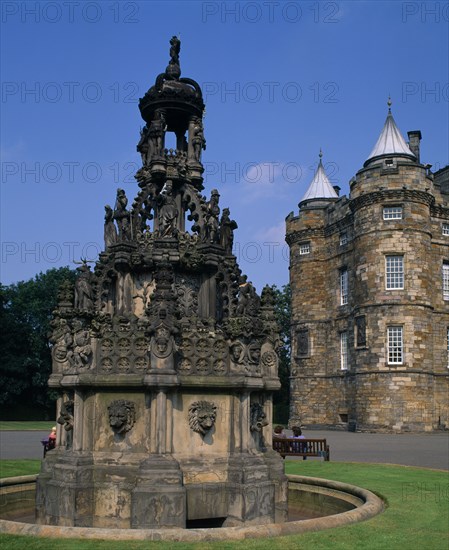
[326, 504]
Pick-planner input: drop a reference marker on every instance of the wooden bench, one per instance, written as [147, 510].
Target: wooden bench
[290, 446]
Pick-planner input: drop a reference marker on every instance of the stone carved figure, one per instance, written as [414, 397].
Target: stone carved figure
[162, 344]
[65, 417]
[110, 231]
[145, 215]
[122, 216]
[237, 352]
[163, 507]
[168, 211]
[211, 225]
[175, 48]
[202, 416]
[122, 415]
[82, 350]
[254, 353]
[248, 301]
[156, 135]
[143, 145]
[143, 289]
[227, 227]
[258, 418]
[83, 288]
[198, 140]
[63, 342]
[66, 293]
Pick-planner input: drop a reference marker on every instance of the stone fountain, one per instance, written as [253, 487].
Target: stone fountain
[164, 356]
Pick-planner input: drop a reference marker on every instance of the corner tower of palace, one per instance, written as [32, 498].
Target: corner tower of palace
[369, 275]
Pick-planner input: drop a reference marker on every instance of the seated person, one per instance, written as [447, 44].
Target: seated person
[298, 447]
[278, 431]
[52, 439]
[49, 442]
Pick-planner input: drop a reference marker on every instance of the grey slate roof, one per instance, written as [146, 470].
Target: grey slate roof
[320, 187]
[390, 141]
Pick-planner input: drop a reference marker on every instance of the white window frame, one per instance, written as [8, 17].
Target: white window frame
[445, 277]
[343, 239]
[394, 272]
[393, 212]
[304, 248]
[344, 286]
[445, 229]
[395, 345]
[344, 350]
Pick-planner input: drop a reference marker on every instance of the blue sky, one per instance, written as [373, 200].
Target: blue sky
[280, 80]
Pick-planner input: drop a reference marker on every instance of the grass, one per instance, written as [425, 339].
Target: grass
[416, 516]
[19, 467]
[27, 425]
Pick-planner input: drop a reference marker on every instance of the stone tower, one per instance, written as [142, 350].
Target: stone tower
[370, 290]
[164, 355]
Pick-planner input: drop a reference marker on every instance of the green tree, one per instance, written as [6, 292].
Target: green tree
[281, 399]
[25, 315]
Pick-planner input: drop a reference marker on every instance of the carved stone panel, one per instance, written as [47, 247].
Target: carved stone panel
[202, 352]
[187, 289]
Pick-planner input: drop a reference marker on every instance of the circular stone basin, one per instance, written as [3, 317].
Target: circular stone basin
[313, 504]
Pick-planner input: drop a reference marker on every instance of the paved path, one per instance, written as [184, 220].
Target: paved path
[22, 444]
[428, 450]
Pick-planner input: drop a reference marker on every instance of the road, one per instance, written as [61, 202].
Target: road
[428, 450]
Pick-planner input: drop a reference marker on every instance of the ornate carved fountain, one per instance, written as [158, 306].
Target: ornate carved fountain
[164, 355]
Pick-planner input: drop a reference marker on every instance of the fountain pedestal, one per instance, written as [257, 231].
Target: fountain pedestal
[164, 356]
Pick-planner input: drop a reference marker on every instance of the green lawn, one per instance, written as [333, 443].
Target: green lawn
[19, 467]
[416, 516]
[28, 425]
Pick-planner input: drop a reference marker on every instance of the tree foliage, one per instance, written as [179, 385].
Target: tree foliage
[281, 398]
[25, 314]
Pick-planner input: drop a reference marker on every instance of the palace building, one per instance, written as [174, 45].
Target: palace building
[369, 275]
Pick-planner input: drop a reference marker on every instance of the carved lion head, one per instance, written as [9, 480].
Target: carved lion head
[202, 415]
[122, 415]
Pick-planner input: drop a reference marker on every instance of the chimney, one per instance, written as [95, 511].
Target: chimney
[337, 189]
[414, 137]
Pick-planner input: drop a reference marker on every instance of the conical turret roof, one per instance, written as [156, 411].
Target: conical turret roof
[320, 187]
[390, 142]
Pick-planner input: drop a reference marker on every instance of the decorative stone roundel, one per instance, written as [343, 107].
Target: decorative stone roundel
[141, 363]
[140, 345]
[107, 345]
[106, 364]
[123, 364]
[269, 359]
